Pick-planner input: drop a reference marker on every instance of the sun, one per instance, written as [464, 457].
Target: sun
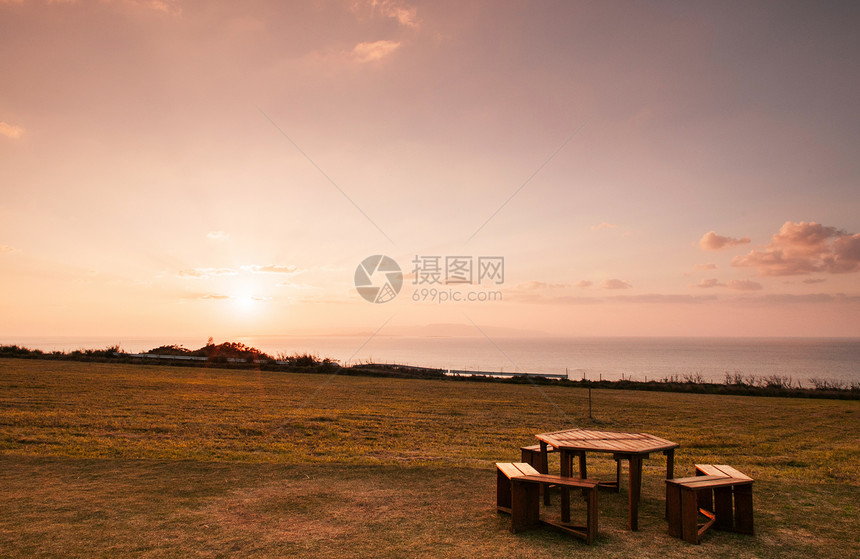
[245, 302]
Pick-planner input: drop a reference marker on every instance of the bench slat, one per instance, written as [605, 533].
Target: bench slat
[526, 469]
[509, 469]
[682, 480]
[516, 469]
[724, 470]
[536, 448]
[560, 480]
[707, 482]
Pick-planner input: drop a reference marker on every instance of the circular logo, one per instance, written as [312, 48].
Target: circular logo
[378, 278]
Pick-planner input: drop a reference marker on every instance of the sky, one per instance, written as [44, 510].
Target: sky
[189, 168]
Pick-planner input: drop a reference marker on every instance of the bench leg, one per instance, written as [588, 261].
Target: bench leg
[723, 508]
[535, 459]
[743, 509]
[525, 506]
[689, 516]
[503, 492]
[673, 506]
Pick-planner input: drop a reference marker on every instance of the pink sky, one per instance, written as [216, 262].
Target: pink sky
[173, 168]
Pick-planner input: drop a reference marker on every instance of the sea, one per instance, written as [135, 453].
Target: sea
[639, 359]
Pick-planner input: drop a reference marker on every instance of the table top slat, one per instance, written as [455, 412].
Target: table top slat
[606, 441]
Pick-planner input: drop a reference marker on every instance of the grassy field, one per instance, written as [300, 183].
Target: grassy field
[107, 460]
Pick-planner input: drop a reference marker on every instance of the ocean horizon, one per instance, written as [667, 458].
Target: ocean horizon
[633, 358]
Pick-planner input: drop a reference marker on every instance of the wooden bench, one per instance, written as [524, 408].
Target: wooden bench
[531, 455]
[518, 494]
[721, 493]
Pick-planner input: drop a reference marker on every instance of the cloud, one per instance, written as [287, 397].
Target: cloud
[214, 297]
[298, 286]
[6, 249]
[583, 284]
[535, 298]
[805, 248]
[166, 6]
[538, 285]
[11, 131]
[616, 284]
[708, 266]
[203, 273]
[271, 269]
[405, 14]
[171, 7]
[744, 285]
[661, 298]
[739, 285]
[603, 225]
[217, 235]
[376, 50]
[535, 292]
[708, 283]
[811, 298]
[846, 255]
[815, 280]
[712, 241]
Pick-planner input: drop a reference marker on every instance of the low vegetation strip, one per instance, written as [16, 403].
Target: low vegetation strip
[238, 356]
[107, 459]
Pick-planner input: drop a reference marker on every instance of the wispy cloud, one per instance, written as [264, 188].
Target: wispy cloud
[271, 269]
[708, 266]
[583, 284]
[744, 285]
[6, 249]
[712, 241]
[217, 235]
[616, 284]
[538, 285]
[167, 6]
[804, 248]
[664, 298]
[709, 283]
[376, 50]
[603, 225]
[203, 273]
[402, 12]
[800, 299]
[738, 285]
[171, 7]
[11, 131]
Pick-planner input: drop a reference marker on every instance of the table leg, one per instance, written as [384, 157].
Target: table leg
[635, 474]
[583, 468]
[565, 492]
[670, 463]
[544, 469]
[670, 471]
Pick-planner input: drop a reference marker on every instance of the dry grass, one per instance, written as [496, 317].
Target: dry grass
[107, 460]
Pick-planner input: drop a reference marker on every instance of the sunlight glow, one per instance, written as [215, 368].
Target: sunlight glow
[245, 302]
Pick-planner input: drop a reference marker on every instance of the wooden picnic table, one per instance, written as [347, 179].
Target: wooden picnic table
[632, 447]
